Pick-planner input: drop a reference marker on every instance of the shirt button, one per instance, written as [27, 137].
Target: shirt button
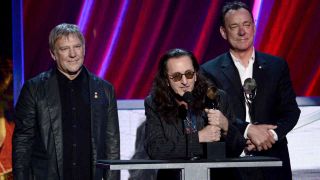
[74, 145]
[74, 164]
[73, 108]
[74, 126]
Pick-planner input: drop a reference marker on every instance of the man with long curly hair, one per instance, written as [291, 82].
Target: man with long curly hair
[176, 129]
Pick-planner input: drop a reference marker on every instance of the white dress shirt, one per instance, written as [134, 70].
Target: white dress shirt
[244, 73]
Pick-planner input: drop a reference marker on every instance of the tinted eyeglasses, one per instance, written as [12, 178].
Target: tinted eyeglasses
[178, 76]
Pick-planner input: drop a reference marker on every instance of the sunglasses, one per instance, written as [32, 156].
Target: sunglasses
[178, 76]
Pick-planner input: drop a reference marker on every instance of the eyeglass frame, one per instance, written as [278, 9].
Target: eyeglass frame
[180, 75]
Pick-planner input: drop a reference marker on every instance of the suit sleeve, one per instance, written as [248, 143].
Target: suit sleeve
[163, 140]
[24, 132]
[288, 107]
[112, 139]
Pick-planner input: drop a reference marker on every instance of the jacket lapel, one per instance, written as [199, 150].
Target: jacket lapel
[259, 68]
[96, 96]
[230, 71]
[54, 108]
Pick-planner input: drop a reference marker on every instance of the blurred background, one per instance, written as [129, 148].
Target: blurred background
[125, 38]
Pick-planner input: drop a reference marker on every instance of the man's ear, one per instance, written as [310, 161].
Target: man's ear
[223, 32]
[52, 55]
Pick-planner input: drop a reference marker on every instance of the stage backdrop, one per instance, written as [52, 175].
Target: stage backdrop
[125, 38]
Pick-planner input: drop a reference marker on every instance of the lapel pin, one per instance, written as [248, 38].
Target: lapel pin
[260, 67]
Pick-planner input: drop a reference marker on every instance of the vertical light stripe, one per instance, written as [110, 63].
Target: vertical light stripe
[256, 11]
[206, 28]
[84, 15]
[17, 48]
[115, 34]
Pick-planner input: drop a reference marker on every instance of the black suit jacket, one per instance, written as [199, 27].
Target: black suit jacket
[37, 139]
[275, 101]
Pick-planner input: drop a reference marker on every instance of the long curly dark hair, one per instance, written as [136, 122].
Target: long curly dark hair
[163, 95]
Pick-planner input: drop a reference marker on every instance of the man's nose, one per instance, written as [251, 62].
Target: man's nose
[72, 53]
[241, 31]
[184, 79]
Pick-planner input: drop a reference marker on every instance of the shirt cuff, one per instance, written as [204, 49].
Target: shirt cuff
[275, 136]
[243, 154]
[246, 132]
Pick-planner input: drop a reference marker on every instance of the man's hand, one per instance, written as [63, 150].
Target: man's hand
[216, 118]
[250, 146]
[209, 133]
[260, 136]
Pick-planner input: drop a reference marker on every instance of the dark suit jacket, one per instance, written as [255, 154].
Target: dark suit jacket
[37, 140]
[274, 103]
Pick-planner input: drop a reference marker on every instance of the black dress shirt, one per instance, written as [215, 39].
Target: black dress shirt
[75, 103]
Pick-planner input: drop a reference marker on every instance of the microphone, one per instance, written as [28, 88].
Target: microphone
[250, 91]
[188, 97]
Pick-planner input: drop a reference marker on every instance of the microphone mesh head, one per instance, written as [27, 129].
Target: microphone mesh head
[188, 97]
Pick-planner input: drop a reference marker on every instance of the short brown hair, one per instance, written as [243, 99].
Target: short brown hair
[234, 5]
[64, 29]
